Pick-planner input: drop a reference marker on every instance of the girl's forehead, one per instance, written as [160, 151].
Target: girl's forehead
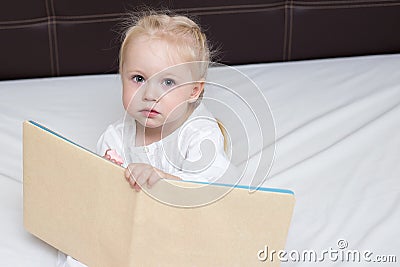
[155, 55]
[161, 48]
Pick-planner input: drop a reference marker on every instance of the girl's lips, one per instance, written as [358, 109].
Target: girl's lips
[149, 113]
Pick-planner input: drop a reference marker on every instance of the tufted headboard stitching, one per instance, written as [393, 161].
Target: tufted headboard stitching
[42, 38]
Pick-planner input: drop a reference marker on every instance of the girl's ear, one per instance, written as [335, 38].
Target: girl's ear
[196, 91]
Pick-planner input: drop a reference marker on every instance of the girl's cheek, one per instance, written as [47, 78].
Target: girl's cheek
[126, 100]
[129, 95]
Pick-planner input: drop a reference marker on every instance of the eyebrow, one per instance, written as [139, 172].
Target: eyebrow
[134, 71]
[169, 74]
[161, 73]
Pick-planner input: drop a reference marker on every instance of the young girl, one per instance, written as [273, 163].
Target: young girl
[163, 64]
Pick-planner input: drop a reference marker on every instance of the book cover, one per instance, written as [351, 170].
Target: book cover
[81, 204]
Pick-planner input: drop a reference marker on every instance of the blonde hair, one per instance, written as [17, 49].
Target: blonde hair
[189, 40]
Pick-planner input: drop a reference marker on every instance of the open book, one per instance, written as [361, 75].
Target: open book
[81, 204]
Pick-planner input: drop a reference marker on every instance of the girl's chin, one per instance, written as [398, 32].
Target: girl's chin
[149, 123]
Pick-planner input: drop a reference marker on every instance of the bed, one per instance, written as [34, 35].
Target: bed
[331, 76]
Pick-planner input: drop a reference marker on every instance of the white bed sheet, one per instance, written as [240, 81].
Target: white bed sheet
[338, 139]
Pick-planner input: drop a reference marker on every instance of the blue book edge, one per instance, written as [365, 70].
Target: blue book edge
[265, 189]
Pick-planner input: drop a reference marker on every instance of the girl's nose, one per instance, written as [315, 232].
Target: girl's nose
[150, 93]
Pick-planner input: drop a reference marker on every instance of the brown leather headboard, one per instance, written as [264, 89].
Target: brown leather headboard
[41, 38]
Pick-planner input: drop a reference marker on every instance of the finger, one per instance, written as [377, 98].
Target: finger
[136, 187]
[141, 179]
[129, 175]
[153, 179]
[131, 182]
[137, 175]
[129, 171]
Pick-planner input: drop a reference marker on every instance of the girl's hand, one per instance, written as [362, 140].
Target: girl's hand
[113, 156]
[138, 174]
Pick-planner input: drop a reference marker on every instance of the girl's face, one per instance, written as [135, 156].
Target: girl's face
[157, 87]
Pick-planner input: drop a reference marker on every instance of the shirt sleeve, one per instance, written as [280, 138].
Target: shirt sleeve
[205, 160]
[110, 139]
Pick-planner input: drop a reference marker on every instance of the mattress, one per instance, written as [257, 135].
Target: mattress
[336, 126]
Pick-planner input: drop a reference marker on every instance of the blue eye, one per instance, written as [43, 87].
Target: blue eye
[168, 82]
[138, 79]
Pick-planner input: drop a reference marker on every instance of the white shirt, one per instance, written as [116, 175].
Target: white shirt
[186, 153]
